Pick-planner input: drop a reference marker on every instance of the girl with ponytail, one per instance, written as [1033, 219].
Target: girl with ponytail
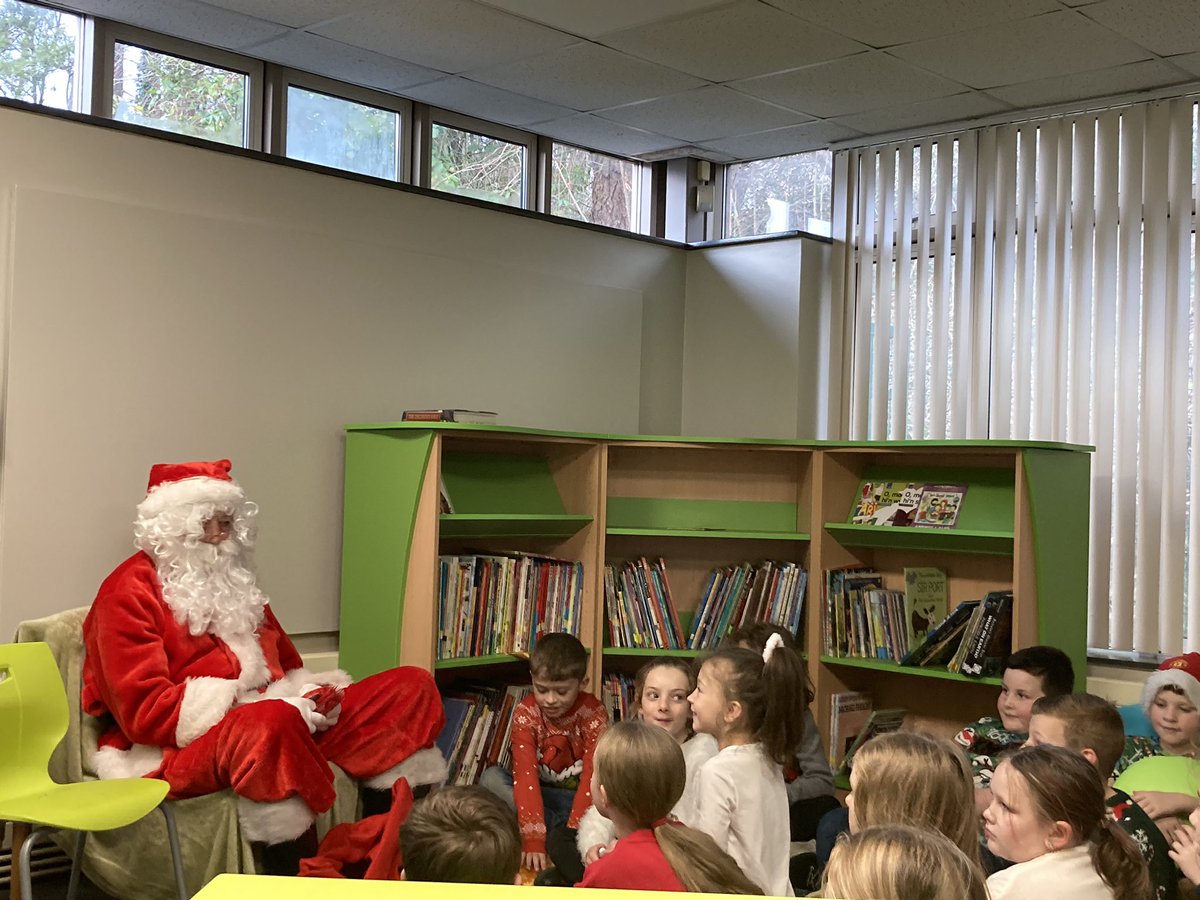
[1048, 816]
[638, 775]
[753, 703]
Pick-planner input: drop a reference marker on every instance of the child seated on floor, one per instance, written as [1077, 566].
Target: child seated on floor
[637, 779]
[461, 834]
[901, 862]
[1092, 727]
[1027, 675]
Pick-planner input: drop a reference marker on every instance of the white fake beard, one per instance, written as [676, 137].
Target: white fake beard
[210, 587]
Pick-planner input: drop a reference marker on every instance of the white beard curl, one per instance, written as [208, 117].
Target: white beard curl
[210, 588]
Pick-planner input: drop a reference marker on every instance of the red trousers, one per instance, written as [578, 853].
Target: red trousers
[264, 751]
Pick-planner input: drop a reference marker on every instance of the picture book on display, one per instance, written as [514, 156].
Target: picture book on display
[900, 504]
[880, 721]
[925, 596]
[849, 713]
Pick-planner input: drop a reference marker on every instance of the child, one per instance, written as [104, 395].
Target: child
[461, 834]
[637, 778]
[1047, 815]
[753, 704]
[1028, 674]
[907, 778]
[901, 862]
[554, 732]
[809, 781]
[661, 689]
[1092, 727]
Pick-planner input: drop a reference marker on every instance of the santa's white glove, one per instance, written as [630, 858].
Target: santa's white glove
[308, 711]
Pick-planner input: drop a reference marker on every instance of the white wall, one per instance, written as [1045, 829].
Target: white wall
[164, 302]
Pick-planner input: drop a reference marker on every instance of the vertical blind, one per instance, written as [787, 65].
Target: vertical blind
[1037, 281]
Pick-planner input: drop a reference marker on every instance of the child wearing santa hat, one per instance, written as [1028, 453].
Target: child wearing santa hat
[1165, 785]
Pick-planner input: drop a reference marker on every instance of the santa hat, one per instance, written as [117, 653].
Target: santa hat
[1182, 672]
[172, 485]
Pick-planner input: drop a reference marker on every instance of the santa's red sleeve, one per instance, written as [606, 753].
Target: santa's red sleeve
[289, 656]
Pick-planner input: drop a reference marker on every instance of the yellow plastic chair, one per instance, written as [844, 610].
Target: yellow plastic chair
[33, 719]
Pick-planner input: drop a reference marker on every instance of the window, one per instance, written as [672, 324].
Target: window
[342, 133]
[595, 187]
[485, 166]
[39, 62]
[785, 193]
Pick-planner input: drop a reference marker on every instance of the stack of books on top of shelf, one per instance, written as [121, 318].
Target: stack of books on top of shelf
[734, 596]
[500, 603]
[862, 619]
[973, 640]
[477, 729]
[616, 693]
[641, 611]
[465, 416]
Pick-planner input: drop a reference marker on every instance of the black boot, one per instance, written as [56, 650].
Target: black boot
[375, 801]
[284, 858]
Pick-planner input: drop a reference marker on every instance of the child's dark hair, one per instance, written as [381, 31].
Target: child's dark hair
[1049, 664]
[558, 656]
[642, 773]
[461, 834]
[1064, 788]
[1089, 723]
[754, 637]
[771, 693]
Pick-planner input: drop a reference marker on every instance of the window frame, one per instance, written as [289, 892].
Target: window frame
[107, 34]
[643, 184]
[428, 116]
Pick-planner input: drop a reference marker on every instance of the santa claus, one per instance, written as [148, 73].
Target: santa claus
[204, 689]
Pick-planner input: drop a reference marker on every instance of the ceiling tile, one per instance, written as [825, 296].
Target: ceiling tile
[1189, 62]
[738, 41]
[295, 13]
[474, 99]
[850, 85]
[586, 76]
[449, 35]
[959, 108]
[184, 19]
[885, 23]
[704, 113]
[1138, 76]
[322, 56]
[1164, 26]
[1057, 43]
[782, 141]
[590, 20]
[600, 134]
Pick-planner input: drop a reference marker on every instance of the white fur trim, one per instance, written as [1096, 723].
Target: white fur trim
[292, 684]
[1160, 678]
[336, 677]
[138, 760]
[188, 492]
[205, 702]
[426, 766]
[254, 671]
[273, 823]
[593, 829]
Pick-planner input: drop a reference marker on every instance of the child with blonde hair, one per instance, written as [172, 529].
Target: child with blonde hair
[901, 862]
[1047, 815]
[753, 704]
[661, 688]
[637, 777]
[908, 778]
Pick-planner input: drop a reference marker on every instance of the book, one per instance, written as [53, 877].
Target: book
[925, 596]
[463, 416]
[445, 504]
[933, 648]
[849, 712]
[890, 503]
[939, 505]
[992, 641]
[880, 721]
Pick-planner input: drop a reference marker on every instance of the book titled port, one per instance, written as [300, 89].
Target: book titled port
[462, 416]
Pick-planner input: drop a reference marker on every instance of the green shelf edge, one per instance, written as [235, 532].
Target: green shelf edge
[712, 533]
[463, 662]
[950, 540]
[880, 665]
[651, 651]
[458, 525]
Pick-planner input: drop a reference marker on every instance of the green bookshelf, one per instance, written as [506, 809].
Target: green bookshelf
[892, 668]
[943, 540]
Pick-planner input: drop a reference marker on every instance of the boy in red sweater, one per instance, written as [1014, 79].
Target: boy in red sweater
[554, 733]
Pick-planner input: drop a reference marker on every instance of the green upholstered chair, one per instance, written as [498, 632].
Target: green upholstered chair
[33, 720]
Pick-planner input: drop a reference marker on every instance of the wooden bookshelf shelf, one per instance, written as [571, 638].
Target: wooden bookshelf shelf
[650, 652]
[466, 662]
[892, 668]
[465, 525]
[948, 540]
[717, 533]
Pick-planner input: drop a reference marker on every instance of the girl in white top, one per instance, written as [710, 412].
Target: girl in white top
[1048, 816]
[753, 704]
[660, 691]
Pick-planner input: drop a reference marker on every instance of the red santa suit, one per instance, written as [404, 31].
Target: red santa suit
[222, 708]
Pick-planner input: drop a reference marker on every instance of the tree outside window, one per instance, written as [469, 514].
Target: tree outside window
[38, 55]
[785, 193]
